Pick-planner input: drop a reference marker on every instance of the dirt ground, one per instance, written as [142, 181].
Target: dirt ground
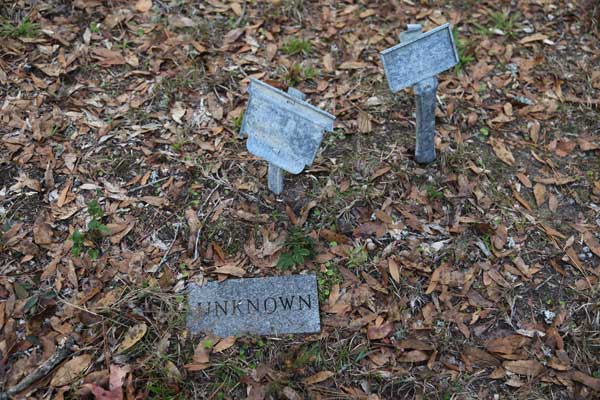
[123, 178]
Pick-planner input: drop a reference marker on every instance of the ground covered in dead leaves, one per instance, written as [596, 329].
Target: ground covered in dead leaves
[122, 178]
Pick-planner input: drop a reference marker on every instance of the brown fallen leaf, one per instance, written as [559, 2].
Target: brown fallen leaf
[71, 370]
[42, 231]
[370, 228]
[231, 269]
[414, 344]
[232, 35]
[585, 379]
[413, 356]
[552, 202]
[291, 394]
[590, 240]
[304, 213]
[332, 236]
[318, 377]
[328, 63]
[558, 180]
[133, 335]
[533, 38]
[524, 268]
[380, 172]
[534, 131]
[62, 197]
[575, 260]
[2, 313]
[556, 364]
[154, 201]
[552, 232]
[224, 344]
[116, 380]
[143, 5]
[364, 122]
[394, 270]
[108, 57]
[521, 200]
[500, 237]
[178, 111]
[236, 8]
[506, 344]
[524, 180]
[196, 367]
[524, 367]
[119, 231]
[480, 357]
[502, 152]
[589, 143]
[353, 65]
[434, 279]
[202, 352]
[250, 217]
[498, 373]
[379, 332]
[539, 191]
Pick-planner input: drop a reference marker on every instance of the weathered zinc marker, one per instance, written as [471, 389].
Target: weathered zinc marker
[283, 129]
[261, 306]
[416, 61]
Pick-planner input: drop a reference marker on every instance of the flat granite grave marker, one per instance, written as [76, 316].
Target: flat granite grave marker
[283, 129]
[416, 61]
[262, 306]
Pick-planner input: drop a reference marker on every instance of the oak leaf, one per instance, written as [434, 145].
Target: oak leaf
[133, 335]
[318, 377]
[71, 370]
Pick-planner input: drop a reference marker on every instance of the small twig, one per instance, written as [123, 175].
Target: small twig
[135, 189]
[90, 311]
[204, 220]
[347, 208]
[240, 193]
[43, 370]
[164, 259]
[213, 394]
[242, 15]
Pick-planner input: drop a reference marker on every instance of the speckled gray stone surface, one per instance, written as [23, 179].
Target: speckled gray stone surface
[261, 306]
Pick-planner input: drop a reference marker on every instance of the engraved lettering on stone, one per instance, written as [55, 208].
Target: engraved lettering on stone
[270, 306]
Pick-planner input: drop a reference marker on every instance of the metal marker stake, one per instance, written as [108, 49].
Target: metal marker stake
[283, 129]
[275, 179]
[275, 174]
[425, 92]
[426, 99]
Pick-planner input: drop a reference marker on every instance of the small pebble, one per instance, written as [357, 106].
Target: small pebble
[549, 316]
[370, 245]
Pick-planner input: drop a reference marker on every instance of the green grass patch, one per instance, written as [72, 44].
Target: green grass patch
[299, 248]
[326, 279]
[298, 73]
[465, 50]
[296, 46]
[24, 29]
[95, 230]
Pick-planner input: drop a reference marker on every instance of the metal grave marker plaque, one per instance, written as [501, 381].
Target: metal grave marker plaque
[283, 129]
[416, 61]
[262, 306]
[422, 56]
